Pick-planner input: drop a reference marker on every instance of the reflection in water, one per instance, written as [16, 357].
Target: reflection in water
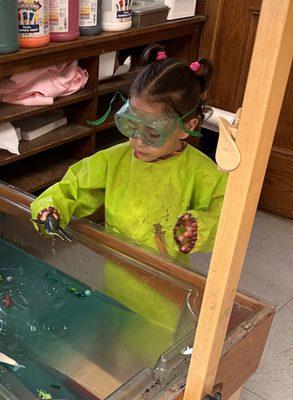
[75, 342]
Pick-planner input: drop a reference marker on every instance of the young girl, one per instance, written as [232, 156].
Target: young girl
[148, 182]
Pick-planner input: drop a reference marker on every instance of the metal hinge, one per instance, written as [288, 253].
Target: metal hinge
[217, 396]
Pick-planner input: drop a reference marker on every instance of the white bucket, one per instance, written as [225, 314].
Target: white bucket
[116, 15]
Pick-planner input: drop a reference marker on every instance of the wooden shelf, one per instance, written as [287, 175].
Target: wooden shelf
[55, 138]
[12, 112]
[91, 46]
[117, 82]
[106, 125]
[44, 161]
[40, 174]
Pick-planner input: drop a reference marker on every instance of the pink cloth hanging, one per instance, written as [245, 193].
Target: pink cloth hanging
[41, 86]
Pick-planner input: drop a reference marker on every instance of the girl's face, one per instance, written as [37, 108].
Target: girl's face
[148, 153]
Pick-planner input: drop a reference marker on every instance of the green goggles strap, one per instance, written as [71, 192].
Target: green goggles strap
[191, 133]
[104, 117]
[182, 126]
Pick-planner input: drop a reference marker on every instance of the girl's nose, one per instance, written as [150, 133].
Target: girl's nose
[139, 140]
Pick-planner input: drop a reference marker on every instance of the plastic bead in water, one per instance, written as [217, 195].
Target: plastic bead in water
[78, 293]
[9, 278]
[7, 301]
[44, 395]
[73, 289]
[55, 387]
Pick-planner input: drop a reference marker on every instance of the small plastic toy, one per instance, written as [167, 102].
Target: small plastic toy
[44, 395]
[7, 301]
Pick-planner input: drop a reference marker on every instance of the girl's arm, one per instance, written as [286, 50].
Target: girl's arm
[196, 230]
[79, 193]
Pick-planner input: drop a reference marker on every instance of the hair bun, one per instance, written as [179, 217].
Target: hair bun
[205, 73]
[150, 54]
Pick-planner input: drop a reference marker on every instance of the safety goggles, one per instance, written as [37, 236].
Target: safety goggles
[153, 129]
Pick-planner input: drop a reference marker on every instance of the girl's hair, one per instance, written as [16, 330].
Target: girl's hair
[172, 82]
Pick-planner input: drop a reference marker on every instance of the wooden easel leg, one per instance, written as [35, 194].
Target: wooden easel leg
[236, 395]
[266, 84]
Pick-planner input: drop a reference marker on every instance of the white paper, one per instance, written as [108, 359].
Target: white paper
[7, 360]
[187, 351]
[213, 124]
[107, 66]
[123, 69]
[8, 138]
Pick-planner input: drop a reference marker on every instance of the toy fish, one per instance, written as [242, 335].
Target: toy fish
[4, 359]
[7, 301]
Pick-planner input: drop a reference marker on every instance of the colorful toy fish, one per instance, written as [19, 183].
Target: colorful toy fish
[7, 301]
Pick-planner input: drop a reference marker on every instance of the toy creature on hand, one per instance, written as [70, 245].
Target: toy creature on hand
[185, 233]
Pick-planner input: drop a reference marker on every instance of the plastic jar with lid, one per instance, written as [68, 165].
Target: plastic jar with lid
[116, 15]
[90, 17]
[33, 23]
[9, 42]
[64, 20]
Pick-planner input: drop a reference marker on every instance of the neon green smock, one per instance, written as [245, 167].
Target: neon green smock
[138, 196]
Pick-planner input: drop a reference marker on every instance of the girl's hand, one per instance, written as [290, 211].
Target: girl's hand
[185, 233]
[42, 215]
[47, 221]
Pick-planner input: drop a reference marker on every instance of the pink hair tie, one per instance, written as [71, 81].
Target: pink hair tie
[195, 66]
[161, 55]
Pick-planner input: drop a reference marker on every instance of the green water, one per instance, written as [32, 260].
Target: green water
[47, 325]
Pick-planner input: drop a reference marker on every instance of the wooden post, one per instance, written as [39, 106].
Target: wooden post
[265, 89]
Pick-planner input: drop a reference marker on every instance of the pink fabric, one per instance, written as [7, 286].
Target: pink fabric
[41, 86]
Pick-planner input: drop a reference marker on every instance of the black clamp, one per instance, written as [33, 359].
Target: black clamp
[217, 396]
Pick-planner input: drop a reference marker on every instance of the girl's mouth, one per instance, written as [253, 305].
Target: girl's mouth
[140, 153]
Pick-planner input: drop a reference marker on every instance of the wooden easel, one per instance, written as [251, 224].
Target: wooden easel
[268, 75]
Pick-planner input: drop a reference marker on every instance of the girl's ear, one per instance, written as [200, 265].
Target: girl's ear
[191, 125]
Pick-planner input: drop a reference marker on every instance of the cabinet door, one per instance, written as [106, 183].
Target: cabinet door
[277, 191]
[232, 52]
[229, 41]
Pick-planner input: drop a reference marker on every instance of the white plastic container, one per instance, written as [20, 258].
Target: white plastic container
[180, 8]
[116, 15]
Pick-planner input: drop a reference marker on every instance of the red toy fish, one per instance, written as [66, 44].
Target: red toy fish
[7, 301]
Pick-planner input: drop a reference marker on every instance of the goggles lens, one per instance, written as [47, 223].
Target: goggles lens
[154, 131]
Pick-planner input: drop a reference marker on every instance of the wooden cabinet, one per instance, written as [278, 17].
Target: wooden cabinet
[228, 39]
[44, 160]
[277, 191]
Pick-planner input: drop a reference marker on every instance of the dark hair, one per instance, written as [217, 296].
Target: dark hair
[172, 82]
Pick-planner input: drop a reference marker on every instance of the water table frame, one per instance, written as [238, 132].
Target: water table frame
[267, 78]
